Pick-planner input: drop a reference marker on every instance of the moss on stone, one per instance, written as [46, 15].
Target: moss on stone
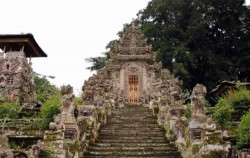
[213, 154]
[196, 148]
[214, 138]
[51, 138]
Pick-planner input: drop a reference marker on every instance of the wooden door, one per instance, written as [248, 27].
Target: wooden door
[133, 89]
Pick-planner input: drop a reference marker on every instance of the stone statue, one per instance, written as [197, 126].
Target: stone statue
[57, 124]
[210, 124]
[98, 98]
[198, 101]
[121, 98]
[67, 100]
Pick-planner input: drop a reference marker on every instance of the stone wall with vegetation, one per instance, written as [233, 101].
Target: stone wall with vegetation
[202, 131]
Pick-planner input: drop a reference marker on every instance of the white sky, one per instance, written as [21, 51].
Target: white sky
[69, 31]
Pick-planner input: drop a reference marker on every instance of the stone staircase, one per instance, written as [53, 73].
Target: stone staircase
[132, 131]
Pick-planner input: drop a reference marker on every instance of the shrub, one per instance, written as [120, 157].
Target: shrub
[231, 107]
[49, 109]
[78, 101]
[244, 131]
[9, 110]
[188, 111]
[44, 89]
[223, 113]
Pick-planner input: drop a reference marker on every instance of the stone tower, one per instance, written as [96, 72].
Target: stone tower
[16, 74]
[133, 67]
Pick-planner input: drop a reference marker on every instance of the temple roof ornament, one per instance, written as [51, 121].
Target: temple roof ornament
[134, 44]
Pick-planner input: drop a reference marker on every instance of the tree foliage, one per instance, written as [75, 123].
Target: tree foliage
[200, 41]
[243, 131]
[78, 101]
[9, 110]
[49, 109]
[232, 107]
[97, 62]
[44, 89]
[223, 113]
[188, 112]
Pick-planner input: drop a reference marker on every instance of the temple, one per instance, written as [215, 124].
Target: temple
[130, 108]
[16, 74]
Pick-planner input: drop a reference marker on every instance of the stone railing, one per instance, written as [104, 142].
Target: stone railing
[196, 136]
[69, 136]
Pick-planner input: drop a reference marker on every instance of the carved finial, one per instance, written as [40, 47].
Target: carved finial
[133, 24]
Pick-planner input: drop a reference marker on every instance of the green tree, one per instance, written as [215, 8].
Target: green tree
[232, 107]
[78, 101]
[243, 131]
[223, 113]
[188, 112]
[49, 109]
[97, 62]
[44, 89]
[200, 41]
[9, 110]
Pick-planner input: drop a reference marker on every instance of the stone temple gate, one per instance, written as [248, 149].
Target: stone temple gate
[133, 67]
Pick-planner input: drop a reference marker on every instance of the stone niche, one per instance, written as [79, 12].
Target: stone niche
[196, 135]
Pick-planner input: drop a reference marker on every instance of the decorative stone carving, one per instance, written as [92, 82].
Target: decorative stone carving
[98, 99]
[67, 101]
[88, 118]
[121, 98]
[198, 101]
[67, 112]
[133, 69]
[57, 124]
[210, 124]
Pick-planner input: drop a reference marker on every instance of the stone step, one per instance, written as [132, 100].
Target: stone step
[130, 137]
[131, 140]
[133, 148]
[127, 134]
[133, 145]
[131, 130]
[115, 121]
[118, 129]
[133, 116]
[101, 156]
[133, 153]
[129, 125]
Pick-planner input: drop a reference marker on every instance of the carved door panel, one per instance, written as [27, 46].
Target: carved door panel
[133, 89]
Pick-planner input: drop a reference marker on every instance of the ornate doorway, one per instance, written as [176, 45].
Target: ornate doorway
[133, 89]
